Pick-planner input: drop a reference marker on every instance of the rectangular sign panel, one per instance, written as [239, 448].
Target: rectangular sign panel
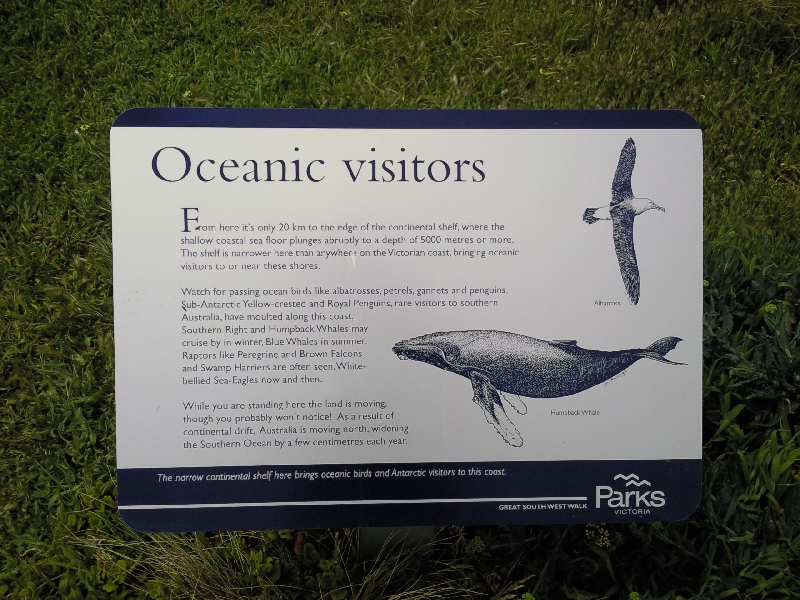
[363, 318]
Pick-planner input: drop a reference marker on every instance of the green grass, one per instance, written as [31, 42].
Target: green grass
[68, 68]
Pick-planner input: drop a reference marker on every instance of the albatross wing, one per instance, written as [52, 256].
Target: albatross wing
[621, 187]
[626, 254]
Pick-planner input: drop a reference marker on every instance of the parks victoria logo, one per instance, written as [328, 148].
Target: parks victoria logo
[628, 501]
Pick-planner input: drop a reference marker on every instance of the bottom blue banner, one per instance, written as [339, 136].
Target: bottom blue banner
[377, 495]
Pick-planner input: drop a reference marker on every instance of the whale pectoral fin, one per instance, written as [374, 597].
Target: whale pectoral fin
[515, 402]
[488, 398]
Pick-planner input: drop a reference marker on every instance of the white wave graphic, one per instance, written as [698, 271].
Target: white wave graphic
[632, 479]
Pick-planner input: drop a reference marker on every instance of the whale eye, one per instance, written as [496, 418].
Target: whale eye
[451, 352]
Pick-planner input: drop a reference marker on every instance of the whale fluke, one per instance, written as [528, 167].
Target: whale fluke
[664, 345]
[658, 349]
[488, 398]
[658, 357]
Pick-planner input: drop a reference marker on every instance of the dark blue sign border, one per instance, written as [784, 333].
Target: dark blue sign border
[489, 493]
[177, 499]
[405, 119]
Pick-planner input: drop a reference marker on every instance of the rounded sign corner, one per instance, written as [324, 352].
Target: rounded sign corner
[688, 119]
[130, 116]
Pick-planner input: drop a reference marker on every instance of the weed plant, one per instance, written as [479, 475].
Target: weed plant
[67, 68]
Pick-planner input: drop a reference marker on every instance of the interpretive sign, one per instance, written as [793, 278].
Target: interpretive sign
[377, 318]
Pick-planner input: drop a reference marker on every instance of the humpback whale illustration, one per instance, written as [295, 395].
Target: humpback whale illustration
[622, 210]
[503, 366]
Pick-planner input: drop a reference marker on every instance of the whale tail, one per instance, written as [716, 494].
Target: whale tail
[658, 349]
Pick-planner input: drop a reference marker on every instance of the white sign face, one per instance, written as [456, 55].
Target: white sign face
[341, 318]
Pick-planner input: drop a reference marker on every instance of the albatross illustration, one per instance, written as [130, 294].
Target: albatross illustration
[622, 210]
